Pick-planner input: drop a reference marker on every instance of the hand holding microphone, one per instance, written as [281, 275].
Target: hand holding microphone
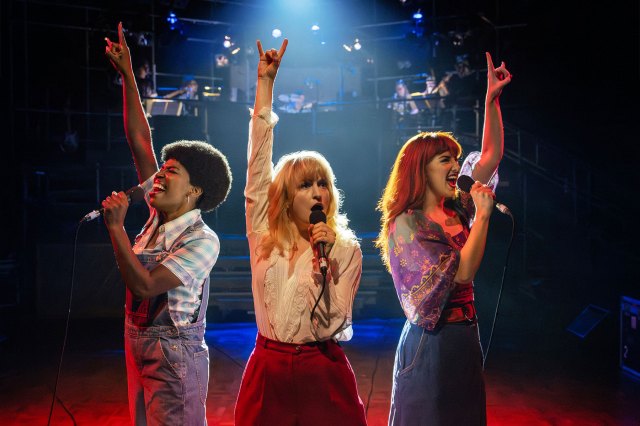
[465, 183]
[131, 195]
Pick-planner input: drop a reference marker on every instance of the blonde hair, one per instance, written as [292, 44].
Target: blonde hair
[292, 169]
[407, 185]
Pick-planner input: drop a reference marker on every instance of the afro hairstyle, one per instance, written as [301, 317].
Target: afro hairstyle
[208, 169]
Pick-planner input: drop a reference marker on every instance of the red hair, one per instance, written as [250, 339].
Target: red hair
[407, 185]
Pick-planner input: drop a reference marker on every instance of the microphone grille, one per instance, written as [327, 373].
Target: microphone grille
[135, 194]
[464, 183]
[317, 216]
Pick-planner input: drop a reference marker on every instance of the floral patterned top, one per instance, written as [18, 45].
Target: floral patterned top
[424, 259]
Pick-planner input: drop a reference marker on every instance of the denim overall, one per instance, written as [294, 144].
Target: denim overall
[167, 365]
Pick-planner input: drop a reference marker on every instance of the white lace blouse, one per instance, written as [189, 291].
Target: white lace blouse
[283, 301]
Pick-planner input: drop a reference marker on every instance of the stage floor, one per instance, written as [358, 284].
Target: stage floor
[522, 388]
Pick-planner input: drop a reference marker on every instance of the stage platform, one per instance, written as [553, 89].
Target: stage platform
[523, 388]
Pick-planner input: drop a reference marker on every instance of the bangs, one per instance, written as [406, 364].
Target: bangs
[447, 143]
[302, 166]
[307, 168]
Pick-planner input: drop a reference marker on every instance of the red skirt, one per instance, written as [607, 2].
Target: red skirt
[306, 384]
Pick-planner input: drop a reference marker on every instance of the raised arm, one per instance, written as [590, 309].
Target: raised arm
[136, 125]
[493, 132]
[259, 151]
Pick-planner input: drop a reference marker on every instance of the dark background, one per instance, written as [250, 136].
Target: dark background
[572, 107]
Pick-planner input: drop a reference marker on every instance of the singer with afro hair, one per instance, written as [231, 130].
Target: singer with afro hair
[166, 272]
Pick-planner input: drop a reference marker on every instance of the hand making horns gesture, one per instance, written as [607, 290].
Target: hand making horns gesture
[497, 79]
[118, 53]
[270, 60]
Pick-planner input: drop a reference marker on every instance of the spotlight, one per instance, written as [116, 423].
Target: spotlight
[315, 28]
[227, 42]
[276, 33]
[236, 50]
[347, 47]
[418, 15]
[172, 19]
[357, 45]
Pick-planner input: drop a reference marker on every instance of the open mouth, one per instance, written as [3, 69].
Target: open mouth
[451, 181]
[158, 187]
[317, 206]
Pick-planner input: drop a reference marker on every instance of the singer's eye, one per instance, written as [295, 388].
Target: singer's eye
[322, 183]
[306, 184]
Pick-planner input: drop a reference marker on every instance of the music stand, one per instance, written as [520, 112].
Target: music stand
[163, 107]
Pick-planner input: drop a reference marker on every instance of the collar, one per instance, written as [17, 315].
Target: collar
[170, 231]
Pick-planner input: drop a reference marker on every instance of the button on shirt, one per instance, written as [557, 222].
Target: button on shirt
[190, 256]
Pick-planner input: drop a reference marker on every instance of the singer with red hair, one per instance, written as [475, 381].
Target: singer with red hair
[433, 252]
[297, 374]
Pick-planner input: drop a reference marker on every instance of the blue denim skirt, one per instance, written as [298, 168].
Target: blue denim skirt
[437, 377]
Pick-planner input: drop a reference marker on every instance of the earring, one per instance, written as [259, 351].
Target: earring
[187, 199]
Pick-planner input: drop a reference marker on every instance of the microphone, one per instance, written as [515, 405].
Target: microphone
[134, 195]
[465, 182]
[316, 216]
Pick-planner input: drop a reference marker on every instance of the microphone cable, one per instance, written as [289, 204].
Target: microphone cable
[504, 272]
[66, 331]
[324, 284]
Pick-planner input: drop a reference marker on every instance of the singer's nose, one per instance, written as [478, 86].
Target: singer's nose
[315, 191]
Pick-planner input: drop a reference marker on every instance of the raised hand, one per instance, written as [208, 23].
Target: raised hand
[118, 53]
[270, 60]
[497, 79]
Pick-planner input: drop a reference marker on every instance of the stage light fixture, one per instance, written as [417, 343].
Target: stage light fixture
[315, 28]
[276, 33]
[357, 45]
[227, 42]
[236, 50]
[172, 19]
[346, 47]
[417, 15]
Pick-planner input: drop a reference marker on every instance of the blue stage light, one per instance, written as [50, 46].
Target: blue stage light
[276, 33]
[172, 19]
[418, 15]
